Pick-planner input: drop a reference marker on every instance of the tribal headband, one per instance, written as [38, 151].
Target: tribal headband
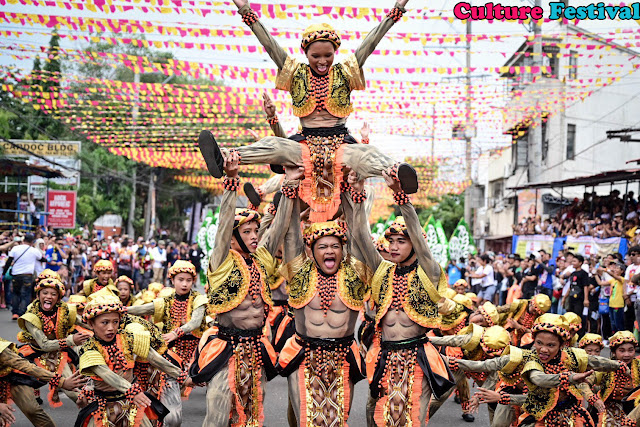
[553, 323]
[320, 33]
[124, 279]
[588, 339]
[103, 265]
[100, 305]
[622, 337]
[318, 230]
[50, 283]
[48, 274]
[181, 266]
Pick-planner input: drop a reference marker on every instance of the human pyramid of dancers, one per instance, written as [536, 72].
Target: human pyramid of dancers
[285, 291]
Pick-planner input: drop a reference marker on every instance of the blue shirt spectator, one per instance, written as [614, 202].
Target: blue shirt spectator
[55, 256]
[453, 272]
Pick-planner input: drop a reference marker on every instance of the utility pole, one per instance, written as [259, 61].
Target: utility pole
[535, 132]
[134, 122]
[467, 132]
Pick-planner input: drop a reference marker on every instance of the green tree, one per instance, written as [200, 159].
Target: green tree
[448, 209]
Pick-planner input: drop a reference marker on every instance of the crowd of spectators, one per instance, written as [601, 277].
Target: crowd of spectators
[603, 290]
[597, 216]
[73, 257]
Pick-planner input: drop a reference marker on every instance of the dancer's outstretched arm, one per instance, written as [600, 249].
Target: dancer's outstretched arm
[425, 259]
[226, 215]
[277, 53]
[370, 42]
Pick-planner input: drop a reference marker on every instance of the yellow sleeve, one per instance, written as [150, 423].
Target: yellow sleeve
[354, 73]
[158, 310]
[285, 76]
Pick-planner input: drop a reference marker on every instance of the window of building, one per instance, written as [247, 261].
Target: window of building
[571, 141]
[545, 141]
[521, 151]
[573, 64]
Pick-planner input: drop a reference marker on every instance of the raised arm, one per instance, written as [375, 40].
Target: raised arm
[227, 213]
[425, 259]
[275, 235]
[293, 243]
[272, 47]
[270, 110]
[360, 228]
[370, 42]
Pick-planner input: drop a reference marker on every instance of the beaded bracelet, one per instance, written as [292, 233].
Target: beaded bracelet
[231, 184]
[401, 198]
[453, 365]
[63, 344]
[233, 150]
[271, 209]
[182, 377]
[344, 186]
[250, 18]
[133, 391]
[252, 207]
[593, 399]
[564, 380]
[179, 332]
[290, 192]
[273, 120]
[358, 196]
[505, 399]
[365, 140]
[87, 394]
[55, 381]
[395, 14]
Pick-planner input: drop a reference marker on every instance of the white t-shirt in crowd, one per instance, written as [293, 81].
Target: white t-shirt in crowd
[158, 258]
[475, 281]
[632, 290]
[26, 263]
[488, 279]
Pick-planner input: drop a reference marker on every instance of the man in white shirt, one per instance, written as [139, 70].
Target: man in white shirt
[159, 256]
[630, 290]
[22, 260]
[488, 283]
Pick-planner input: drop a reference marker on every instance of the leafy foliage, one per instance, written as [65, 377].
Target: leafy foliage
[448, 209]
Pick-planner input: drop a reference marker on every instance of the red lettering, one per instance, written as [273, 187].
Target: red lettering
[461, 10]
[524, 13]
[536, 13]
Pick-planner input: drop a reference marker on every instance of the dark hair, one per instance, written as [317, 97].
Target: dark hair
[485, 258]
[29, 237]
[579, 257]
[635, 249]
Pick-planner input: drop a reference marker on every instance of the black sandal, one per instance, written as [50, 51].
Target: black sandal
[252, 194]
[211, 153]
[408, 178]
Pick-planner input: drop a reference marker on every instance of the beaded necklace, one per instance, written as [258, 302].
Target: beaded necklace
[327, 287]
[179, 309]
[254, 280]
[401, 284]
[48, 322]
[115, 355]
[320, 89]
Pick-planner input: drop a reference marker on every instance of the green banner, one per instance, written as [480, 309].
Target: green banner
[461, 243]
[206, 239]
[379, 227]
[437, 245]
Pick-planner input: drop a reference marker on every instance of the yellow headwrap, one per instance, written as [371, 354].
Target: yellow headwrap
[103, 265]
[320, 32]
[553, 323]
[181, 266]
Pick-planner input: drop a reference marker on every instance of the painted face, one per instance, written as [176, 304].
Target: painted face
[249, 235]
[103, 277]
[399, 247]
[48, 298]
[592, 349]
[327, 251]
[625, 353]
[125, 291]
[320, 55]
[105, 326]
[182, 282]
[547, 345]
